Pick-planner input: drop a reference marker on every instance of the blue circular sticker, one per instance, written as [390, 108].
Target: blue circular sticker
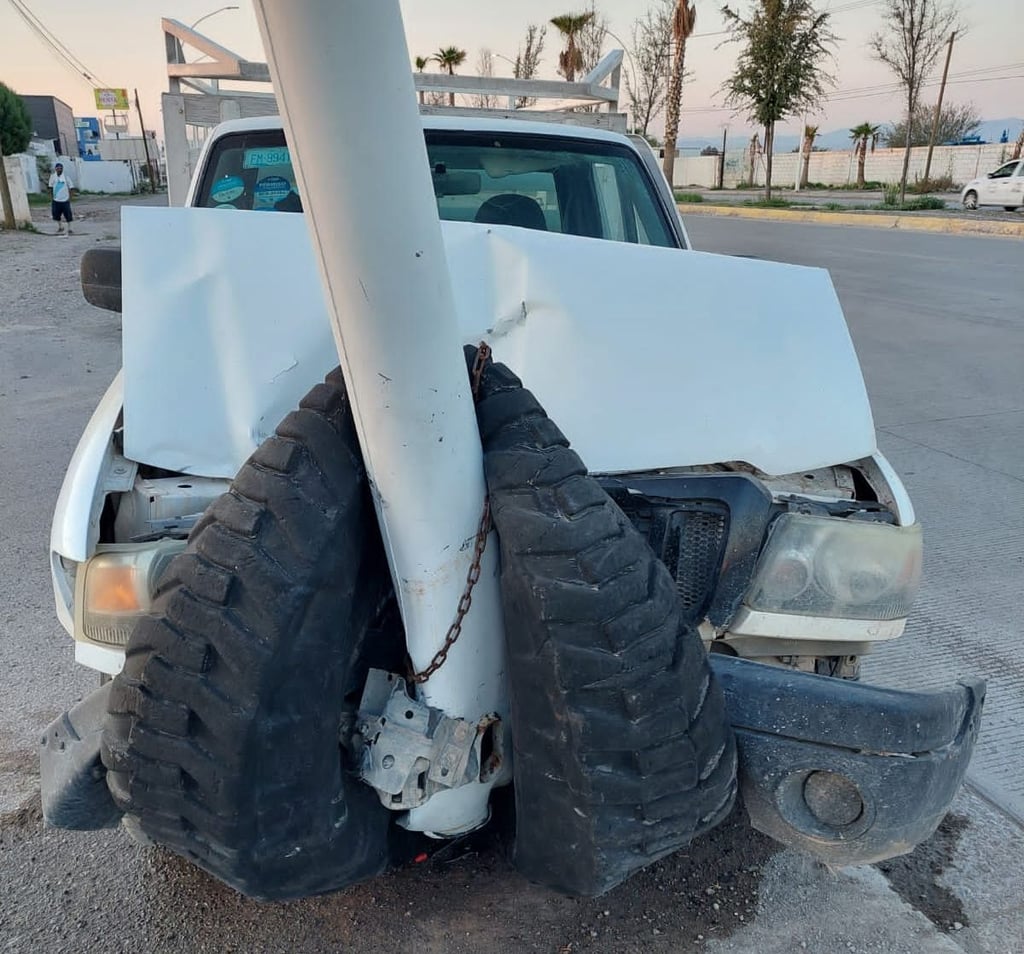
[227, 189]
[270, 191]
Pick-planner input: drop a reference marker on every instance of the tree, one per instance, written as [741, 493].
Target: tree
[528, 59]
[649, 56]
[570, 60]
[449, 57]
[15, 133]
[909, 43]
[591, 39]
[861, 135]
[684, 19]
[781, 70]
[810, 134]
[1018, 146]
[485, 67]
[955, 122]
[422, 62]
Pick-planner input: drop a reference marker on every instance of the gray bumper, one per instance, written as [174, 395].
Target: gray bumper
[848, 772]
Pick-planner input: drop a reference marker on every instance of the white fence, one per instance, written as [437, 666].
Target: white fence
[838, 168]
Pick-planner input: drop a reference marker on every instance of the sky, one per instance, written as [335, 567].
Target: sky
[122, 45]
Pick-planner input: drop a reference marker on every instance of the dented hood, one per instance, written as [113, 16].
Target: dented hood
[646, 358]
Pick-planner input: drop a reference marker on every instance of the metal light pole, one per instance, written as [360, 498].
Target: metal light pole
[213, 13]
[349, 107]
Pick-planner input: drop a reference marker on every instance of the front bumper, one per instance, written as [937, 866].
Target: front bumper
[848, 772]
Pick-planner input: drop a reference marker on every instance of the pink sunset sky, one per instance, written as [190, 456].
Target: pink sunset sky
[122, 45]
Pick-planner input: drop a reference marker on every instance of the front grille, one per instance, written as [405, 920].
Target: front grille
[692, 550]
[706, 528]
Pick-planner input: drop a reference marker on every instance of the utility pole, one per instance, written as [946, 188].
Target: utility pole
[721, 159]
[145, 145]
[938, 109]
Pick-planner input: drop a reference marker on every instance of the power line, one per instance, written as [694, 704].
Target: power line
[53, 42]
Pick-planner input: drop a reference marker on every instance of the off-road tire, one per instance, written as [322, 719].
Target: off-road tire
[622, 748]
[222, 741]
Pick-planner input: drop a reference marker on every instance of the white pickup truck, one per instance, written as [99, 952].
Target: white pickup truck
[735, 435]
[1003, 186]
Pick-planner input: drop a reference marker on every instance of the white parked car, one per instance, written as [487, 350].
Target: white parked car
[1004, 186]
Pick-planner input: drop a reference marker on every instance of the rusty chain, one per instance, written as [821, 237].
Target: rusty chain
[480, 544]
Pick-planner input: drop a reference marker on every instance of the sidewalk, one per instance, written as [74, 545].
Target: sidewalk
[950, 221]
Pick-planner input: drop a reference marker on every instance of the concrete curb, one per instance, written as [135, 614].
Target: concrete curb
[871, 220]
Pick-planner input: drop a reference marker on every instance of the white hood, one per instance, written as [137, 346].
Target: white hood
[645, 357]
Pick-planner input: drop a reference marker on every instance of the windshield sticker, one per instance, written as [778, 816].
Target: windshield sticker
[264, 156]
[226, 205]
[227, 189]
[270, 191]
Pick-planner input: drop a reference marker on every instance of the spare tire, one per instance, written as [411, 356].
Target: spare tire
[622, 749]
[222, 741]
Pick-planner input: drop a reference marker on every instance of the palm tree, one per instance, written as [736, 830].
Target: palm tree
[860, 136]
[684, 19]
[448, 57]
[422, 62]
[570, 60]
[810, 134]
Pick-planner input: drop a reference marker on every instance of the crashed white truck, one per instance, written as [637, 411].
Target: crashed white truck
[684, 603]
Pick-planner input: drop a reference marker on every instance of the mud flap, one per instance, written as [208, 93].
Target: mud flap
[848, 772]
[72, 778]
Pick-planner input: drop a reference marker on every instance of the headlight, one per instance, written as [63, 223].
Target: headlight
[846, 569]
[114, 589]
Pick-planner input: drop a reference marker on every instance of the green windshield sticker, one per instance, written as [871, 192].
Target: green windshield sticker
[263, 156]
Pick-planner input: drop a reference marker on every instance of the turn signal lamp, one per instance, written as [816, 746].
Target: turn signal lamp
[115, 589]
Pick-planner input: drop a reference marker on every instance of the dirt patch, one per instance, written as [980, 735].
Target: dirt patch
[914, 877]
[27, 818]
[466, 897]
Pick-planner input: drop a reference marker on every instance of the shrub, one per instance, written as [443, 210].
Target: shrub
[923, 203]
[689, 197]
[891, 194]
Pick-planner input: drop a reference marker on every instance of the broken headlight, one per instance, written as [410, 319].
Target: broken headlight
[828, 566]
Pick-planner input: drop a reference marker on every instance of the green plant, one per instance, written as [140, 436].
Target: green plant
[689, 197]
[923, 203]
[774, 203]
[28, 227]
[744, 184]
[834, 206]
[891, 194]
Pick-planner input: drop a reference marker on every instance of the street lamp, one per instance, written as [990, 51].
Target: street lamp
[212, 14]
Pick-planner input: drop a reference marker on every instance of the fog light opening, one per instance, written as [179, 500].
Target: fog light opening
[833, 799]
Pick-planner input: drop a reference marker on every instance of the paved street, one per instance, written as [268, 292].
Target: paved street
[939, 324]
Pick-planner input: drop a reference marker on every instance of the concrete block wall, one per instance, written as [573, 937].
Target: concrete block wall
[19, 197]
[839, 167]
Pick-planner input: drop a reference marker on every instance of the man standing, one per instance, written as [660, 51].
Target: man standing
[60, 206]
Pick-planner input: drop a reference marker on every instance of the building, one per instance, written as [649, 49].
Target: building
[52, 119]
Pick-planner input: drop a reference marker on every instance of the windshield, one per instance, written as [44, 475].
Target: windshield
[548, 183]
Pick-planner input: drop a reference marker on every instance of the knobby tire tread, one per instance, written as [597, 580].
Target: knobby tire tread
[622, 748]
[222, 741]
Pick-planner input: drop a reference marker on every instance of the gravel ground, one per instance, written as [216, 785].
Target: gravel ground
[733, 891]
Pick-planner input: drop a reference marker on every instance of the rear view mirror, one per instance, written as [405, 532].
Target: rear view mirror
[101, 278]
[455, 183]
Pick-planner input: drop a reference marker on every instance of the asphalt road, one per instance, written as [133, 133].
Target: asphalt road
[939, 326]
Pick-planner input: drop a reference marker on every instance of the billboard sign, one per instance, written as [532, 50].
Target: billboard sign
[87, 130]
[111, 98]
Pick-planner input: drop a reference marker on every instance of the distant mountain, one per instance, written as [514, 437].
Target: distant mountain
[991, 130]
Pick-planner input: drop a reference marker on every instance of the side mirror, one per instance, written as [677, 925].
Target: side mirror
[101, 278]
[989, 175]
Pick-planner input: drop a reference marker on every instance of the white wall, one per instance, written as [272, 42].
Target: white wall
[837, 168]
[99, 176]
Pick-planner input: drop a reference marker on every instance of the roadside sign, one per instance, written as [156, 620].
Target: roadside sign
[111, 98]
